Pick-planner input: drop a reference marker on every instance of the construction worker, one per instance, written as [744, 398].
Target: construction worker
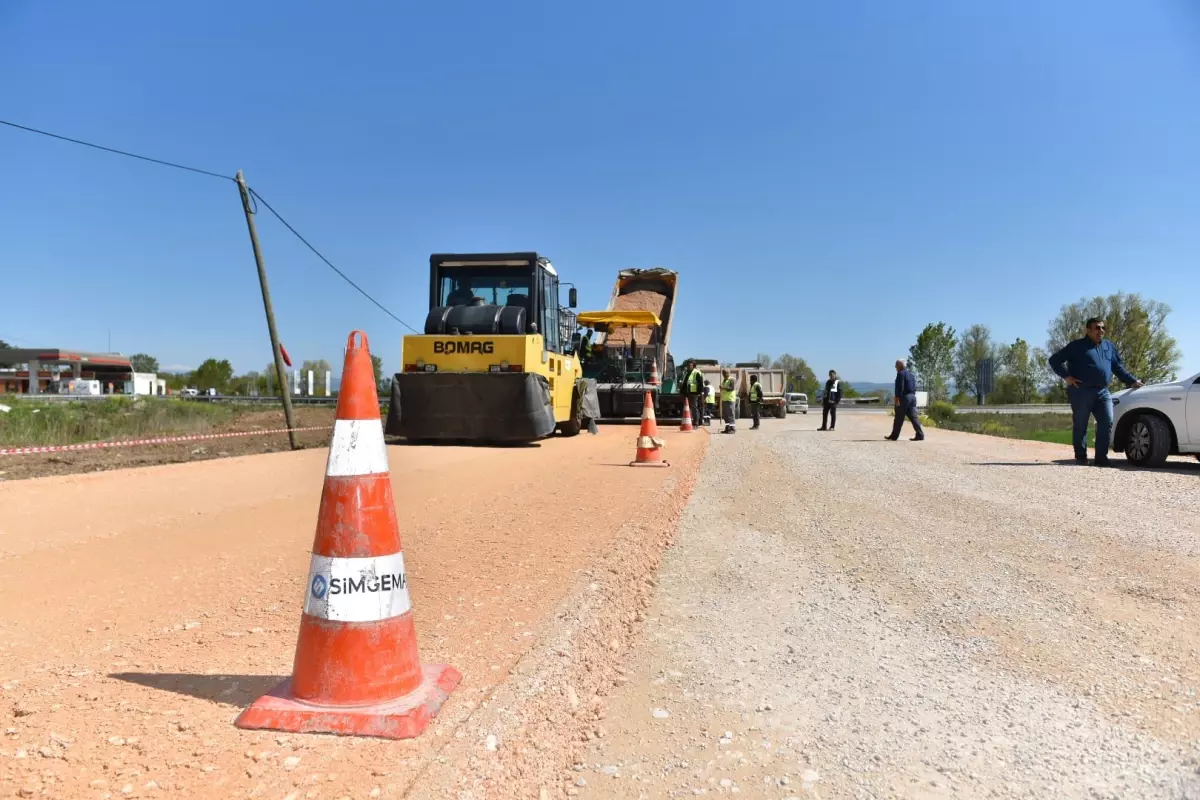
[728, 401]
[693, 390]
[756, 396]
[462, 295]
[710, 403]
[585, 346]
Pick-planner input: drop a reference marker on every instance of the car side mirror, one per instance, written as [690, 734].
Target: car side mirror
[572, 298]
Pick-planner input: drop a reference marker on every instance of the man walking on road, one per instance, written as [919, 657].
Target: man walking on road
[728, 398]
[906, 403]
[829, 402]
[1087, 365]
[756, 396]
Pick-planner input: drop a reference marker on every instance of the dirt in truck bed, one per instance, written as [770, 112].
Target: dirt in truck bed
[642, 300]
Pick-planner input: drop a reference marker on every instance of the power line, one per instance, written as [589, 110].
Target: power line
[329, 263]
[125, 153]
[199, 171]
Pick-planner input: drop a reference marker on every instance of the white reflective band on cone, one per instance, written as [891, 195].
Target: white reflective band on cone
[357, 448]
[649, 443]
[357, 589]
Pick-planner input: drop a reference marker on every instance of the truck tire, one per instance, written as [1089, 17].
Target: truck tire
[780, 411]
[574, 425]
[1149, 441]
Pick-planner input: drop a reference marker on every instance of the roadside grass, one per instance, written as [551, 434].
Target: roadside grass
[1054, 428]
[33, 423]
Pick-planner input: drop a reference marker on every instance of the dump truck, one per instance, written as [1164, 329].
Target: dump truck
[494, 363]
[774, 385]
[624, 348]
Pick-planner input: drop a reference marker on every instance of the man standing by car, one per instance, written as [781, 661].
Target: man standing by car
[829, 402]
[1087, 365]
[906, 403]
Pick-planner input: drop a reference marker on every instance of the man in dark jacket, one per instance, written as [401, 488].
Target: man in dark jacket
[1087, 365]
[906, 403]
[829, 402]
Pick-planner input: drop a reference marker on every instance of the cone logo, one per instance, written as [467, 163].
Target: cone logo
[357, 671]
[649, 446]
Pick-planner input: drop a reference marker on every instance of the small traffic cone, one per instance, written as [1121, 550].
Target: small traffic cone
[357, 672]
[649, 446]
[654, 379]
[686, 425]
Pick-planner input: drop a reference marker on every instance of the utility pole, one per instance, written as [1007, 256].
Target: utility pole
[266, 295]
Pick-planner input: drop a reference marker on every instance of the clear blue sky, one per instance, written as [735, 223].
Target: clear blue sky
[827, 178]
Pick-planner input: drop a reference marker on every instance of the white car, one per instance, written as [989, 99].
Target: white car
[1157, 421]
[796, 402]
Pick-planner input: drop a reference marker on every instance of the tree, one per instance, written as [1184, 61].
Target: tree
[213, 374]
[797, 373]
[1021, 368]
[5, 346]
[974, 346]
[1135, 325]
[377, 367]
[143, 363]
[849, 391]
[932, 358]
[764, 359]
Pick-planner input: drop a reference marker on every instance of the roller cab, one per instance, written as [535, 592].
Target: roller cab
[495, 362]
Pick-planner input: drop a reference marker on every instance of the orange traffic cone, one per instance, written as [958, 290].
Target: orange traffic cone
[356, 671]
[686, 425]
[649, 446]
[654, 379]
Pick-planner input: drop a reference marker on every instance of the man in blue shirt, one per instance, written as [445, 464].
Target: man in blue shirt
[906, 403]
[1087, 365]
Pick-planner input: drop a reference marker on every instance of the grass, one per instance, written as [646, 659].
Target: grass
[1055, 428]
[32, 423]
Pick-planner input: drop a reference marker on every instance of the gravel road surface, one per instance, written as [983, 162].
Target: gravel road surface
[144, 608]
[964, 617]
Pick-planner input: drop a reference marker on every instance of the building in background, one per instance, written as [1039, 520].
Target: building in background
[49, 370]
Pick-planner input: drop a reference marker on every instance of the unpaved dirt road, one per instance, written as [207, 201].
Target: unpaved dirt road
[844, 617]
[143, 609]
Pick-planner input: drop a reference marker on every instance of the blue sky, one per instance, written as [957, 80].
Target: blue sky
[827, 178]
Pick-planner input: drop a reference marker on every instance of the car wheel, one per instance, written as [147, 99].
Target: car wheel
[1149, 441]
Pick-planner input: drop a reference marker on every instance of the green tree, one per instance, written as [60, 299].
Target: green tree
[143, 363]
[5, 346]
[797, 372]
[764, 359]
[377, 368]
[1136, 326]
[932, 358]
[974, 345]
[849, 391]
[1022, 367]
[213, 374]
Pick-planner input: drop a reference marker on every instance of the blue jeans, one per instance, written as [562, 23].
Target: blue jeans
[1087, 403]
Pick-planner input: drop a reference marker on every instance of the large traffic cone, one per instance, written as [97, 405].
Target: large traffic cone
[649, 446]
[356, 670]
[654, 379]
[686, 425]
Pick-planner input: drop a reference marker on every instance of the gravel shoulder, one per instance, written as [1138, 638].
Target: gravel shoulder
[963, 617]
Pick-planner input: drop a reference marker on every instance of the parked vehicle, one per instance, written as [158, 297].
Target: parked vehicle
[797, 402]
[1157, 421]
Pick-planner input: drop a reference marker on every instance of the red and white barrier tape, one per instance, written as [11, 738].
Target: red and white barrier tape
[21, 451]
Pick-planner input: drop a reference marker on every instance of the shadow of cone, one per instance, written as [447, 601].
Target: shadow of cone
[357, 671]
[649, 446]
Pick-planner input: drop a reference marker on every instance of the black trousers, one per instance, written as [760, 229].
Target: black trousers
[755, 410]
[907, 408]
[829, 416]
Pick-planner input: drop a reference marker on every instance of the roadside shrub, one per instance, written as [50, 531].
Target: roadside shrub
[941, 411]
